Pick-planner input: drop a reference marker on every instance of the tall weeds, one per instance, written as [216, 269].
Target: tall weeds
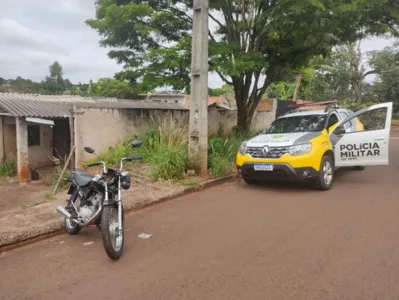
[165, 147]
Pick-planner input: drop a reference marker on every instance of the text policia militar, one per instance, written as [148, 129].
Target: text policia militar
[352, 151]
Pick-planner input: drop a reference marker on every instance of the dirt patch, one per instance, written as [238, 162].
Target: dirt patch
[14, 195]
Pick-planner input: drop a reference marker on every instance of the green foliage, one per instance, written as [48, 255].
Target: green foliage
[225, 90]
[221, 166]
[386, 64]
[165, 147]
[168, 162]
[7, 168]
[114, 154]
[108, 87]
[152, 39]
[19, 85]
[55, 83]
[355, 106]
[222, 153]
[282, 90]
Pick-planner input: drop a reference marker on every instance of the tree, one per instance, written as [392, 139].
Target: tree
[348, 70]
[55, 83]
[255, 41]
[386, 64]
[225, 90]
[109, 87]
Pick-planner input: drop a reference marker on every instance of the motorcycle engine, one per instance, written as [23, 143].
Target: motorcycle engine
[88, 210]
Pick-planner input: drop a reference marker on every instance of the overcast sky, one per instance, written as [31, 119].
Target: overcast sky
[35, 33]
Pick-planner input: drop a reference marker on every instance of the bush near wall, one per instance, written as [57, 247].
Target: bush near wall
[165, 148]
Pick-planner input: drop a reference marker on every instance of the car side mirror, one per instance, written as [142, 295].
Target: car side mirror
[89, 150]
[137, 144]
[340, 130]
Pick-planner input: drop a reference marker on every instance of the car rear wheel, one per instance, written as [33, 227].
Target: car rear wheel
[326, 174]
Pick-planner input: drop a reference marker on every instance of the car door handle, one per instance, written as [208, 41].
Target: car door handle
[379, 139]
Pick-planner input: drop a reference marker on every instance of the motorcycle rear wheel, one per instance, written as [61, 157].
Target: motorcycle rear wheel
[112, 241]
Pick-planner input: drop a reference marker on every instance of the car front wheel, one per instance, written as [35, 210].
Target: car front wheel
[326, 174]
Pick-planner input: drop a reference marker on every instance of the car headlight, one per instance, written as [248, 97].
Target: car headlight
[243, 148]
[299, 149]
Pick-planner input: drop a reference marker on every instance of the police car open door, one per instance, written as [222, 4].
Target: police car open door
[362, 138]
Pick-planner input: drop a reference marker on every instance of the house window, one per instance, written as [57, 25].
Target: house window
[34, 135]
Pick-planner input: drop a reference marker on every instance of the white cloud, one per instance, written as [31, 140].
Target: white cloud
[34, 34]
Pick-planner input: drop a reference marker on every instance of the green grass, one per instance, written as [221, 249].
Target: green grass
[222, 153]
[7, 168]
[165, 148]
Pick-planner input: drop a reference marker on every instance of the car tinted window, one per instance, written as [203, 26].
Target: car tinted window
[332, 120]
[297, 124]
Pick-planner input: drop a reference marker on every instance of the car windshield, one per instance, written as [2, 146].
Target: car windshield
[307, 123]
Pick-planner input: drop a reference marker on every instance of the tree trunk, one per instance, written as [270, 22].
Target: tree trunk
[243, 124]
[297, 87]
[243, 121]
[358, 92]
[247, 102]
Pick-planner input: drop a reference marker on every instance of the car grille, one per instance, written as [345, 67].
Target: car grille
[275, 152]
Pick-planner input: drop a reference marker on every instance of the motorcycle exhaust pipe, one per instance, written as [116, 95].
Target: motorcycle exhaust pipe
[63, 211]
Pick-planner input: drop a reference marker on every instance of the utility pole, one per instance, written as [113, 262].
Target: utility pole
[198, 140]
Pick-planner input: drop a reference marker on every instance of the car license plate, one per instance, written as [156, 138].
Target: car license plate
[263, 167]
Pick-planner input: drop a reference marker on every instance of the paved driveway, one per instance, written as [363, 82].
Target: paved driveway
[233, 242]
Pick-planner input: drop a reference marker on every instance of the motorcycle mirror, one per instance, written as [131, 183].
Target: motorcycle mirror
[137, 144]
[89, 150]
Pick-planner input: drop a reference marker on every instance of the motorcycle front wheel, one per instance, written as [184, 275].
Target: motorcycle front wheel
[113, 241]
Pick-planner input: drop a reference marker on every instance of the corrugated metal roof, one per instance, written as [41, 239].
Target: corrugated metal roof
[44, 106]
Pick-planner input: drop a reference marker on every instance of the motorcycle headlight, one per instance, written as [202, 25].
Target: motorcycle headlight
[300, 149]
[243, 148]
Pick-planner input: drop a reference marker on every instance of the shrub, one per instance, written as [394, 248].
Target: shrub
[168, 161]
[7, 168]
[114, 154]
[221, 166]
[166, 149]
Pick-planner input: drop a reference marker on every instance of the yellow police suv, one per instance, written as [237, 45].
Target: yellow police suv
[309, 145]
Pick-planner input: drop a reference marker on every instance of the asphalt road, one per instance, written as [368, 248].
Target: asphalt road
[234, 241]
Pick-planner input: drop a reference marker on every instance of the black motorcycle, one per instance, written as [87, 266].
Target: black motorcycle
[98, 200]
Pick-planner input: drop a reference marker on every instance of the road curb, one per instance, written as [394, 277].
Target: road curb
[57, 229]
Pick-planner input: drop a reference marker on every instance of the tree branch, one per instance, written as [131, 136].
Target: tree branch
[216, 21]
[223, 77]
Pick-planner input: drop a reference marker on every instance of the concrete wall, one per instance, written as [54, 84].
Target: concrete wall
[9, 138]
[40, 156]
[102, 128]
[228, 119]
